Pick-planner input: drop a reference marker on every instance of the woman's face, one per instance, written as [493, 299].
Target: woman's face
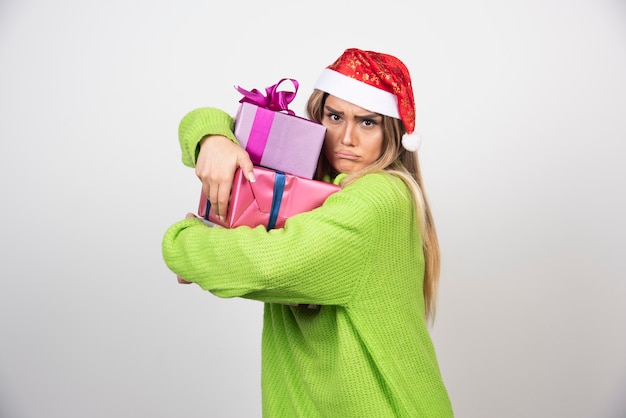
[354, 136]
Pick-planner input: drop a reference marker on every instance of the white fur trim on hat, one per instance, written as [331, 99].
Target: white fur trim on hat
[411, 142]
[358, 93]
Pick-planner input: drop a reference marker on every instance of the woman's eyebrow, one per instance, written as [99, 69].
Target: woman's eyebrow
[369, 116]
[331, 110]
[372, 115]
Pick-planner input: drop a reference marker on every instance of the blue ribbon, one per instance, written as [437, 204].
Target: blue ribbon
[277, 198]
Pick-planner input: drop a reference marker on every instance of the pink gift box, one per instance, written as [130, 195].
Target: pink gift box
[274, 197]
[274, 136]
[279, 141]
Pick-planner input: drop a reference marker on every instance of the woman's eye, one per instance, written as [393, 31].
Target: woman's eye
[368, 122]
[333, 116]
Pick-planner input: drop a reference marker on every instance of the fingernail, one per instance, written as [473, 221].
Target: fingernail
[251, 178]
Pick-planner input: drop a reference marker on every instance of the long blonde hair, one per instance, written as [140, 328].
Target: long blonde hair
[395, 160]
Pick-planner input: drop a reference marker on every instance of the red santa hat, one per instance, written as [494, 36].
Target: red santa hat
[374, 81]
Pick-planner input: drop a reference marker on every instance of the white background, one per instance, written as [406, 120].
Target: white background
[522, 107]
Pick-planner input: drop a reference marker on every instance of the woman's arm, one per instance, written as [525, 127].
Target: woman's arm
[319, 257]
[207, 143]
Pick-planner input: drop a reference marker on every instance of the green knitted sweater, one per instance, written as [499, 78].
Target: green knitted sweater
[366, 352]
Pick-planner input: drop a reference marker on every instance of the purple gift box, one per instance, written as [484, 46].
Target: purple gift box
[277, 140]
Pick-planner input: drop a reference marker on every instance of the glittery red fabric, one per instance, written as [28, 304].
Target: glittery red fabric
[383, 71]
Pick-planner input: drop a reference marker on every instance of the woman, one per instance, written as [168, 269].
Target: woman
[369, 256]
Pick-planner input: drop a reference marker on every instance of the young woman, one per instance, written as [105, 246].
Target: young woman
[369, 256]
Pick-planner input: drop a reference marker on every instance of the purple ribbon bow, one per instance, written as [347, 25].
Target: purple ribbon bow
[275, 100]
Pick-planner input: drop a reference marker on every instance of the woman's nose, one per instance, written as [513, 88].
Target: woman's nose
[347, 137]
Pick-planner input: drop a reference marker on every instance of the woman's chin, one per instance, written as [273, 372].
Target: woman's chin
[345, 166]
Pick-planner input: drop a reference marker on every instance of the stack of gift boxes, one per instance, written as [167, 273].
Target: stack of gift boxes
[284, 149]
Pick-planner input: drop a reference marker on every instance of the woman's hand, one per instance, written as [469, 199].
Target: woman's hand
[182, 281]
[218, 159]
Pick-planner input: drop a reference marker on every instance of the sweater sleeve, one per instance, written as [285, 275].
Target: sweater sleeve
[199, 123]
[319, 257]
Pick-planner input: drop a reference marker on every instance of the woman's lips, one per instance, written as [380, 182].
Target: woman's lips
[346, 155]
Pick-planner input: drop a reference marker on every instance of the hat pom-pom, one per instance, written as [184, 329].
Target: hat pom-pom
[411, 142]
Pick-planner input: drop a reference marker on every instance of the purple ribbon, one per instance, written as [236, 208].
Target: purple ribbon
[273, 99]
[259, 134]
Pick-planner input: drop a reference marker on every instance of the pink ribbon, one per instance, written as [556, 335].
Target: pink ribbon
[273, 99]
[259, 134]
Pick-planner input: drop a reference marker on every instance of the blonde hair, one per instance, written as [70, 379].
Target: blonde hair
[395, 160]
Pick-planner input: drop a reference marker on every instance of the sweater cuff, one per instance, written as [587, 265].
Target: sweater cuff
[199, 123]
